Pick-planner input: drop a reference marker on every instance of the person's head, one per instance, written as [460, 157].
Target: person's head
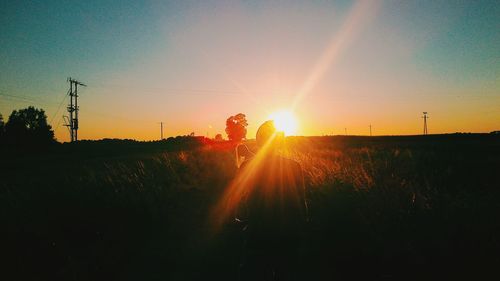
[268, 136]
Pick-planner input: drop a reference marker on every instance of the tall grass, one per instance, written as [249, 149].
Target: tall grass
[397, 208]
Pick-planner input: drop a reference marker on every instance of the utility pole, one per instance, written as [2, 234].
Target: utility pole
[370, 130]
[345, 129]
[72, 121]
[161, 130]
[426, 132]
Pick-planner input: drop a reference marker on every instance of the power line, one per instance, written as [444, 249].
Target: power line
[58, 123]
[20, 96]
[59, 107]
[26, 99]
[172, 91]
[107, 116]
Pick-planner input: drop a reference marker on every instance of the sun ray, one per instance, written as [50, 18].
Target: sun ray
[239, 186]
[358, 16]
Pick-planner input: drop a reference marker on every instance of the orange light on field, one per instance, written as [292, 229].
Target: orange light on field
[240, 186]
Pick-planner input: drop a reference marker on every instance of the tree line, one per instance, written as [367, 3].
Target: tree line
[28, 127]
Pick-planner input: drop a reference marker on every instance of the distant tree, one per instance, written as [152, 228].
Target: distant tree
[2, 128]
[236, 127]
[218, 137]
[28, 127]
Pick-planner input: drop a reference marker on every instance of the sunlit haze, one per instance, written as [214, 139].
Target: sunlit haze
[337, 65]
[284, 121]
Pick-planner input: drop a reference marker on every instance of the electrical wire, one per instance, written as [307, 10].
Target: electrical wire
[59, 107]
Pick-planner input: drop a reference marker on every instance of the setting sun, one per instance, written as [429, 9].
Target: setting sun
[284, 121]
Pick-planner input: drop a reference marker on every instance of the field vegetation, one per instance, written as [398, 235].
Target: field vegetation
[382, 208]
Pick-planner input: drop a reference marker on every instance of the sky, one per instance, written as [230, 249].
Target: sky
[338, 65]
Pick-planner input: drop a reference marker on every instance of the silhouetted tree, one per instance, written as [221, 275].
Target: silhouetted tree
[236, 127]
[218, 137]
[28, 127]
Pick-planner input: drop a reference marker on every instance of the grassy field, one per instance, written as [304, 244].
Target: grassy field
[382, 208]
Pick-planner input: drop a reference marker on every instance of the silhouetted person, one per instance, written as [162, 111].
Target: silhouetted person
[274, 207]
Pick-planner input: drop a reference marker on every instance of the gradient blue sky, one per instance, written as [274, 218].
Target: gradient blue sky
[193, 64]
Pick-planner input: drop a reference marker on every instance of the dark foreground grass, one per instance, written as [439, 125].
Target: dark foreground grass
[382, 208]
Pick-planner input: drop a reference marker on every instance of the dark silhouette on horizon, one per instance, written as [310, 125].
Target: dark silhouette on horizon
[27, 127]
[2, 128]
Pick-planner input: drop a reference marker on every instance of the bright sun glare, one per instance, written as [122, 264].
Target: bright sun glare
[284, 121]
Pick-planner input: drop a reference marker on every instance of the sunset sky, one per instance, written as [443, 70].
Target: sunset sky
[336, 64]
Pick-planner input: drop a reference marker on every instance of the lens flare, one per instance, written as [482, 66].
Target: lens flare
[284, 121]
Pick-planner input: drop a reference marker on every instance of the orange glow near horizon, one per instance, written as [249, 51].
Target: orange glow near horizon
[335, 65]
[284, 121]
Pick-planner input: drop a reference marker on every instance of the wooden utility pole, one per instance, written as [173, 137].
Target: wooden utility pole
[72, 120]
